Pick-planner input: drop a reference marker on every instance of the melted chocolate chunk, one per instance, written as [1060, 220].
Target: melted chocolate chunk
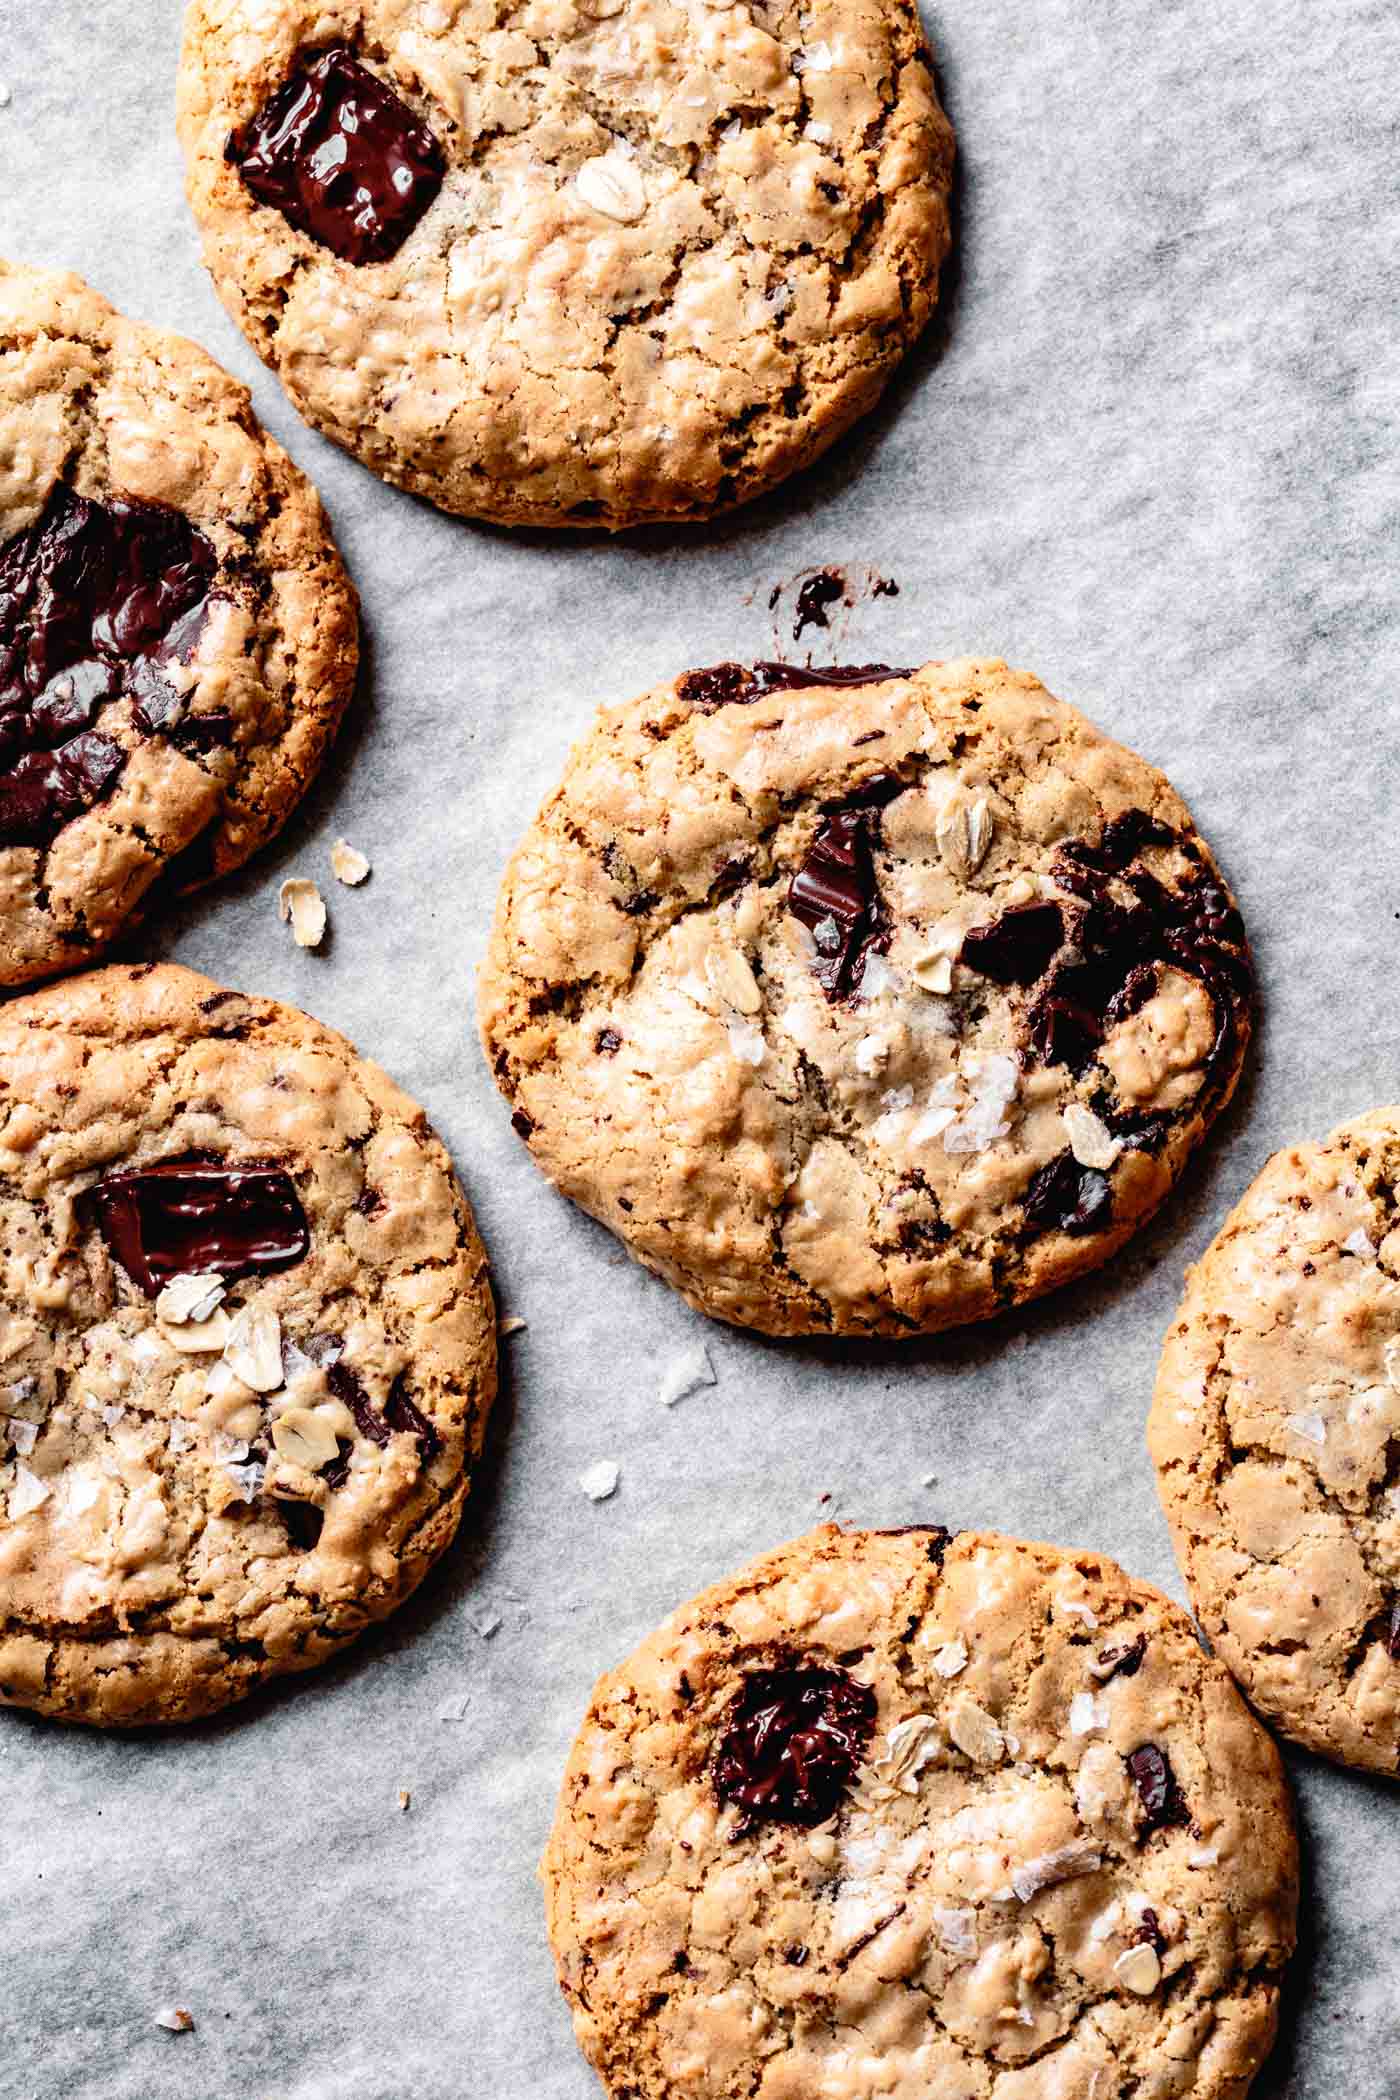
[1123, 946]
[723, 685]
[346, 1387]
[1065, 1197]
[814, 601]
[190, 1216]
[342, 157]
[94, 598]
[835, 894]
[1123, 1661]
[792, 1743]
[401, 1413]
[45, 790]
[1016, 948]
[1157, 1790]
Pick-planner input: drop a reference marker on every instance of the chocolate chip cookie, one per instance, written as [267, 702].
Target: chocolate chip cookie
[863, 1001]
[178, 637]
[247, 1347]
[1276, 1435]
[578, 264]
[899, 1814]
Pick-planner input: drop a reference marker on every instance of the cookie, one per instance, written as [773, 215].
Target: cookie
[178, 637]
[863, 1001]
[247, 1347]
[889, 1813]
[1275, 1432]
[582, 264]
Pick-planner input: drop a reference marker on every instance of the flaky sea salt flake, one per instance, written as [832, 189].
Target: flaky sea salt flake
[690, 1373]
[600, 1481]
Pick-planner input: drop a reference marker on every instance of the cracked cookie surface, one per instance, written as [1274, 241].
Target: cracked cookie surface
[1055, 1859]
[247, 1348]
[599, 264]
[871, 1005]
[1275, 1432]
[178, 637]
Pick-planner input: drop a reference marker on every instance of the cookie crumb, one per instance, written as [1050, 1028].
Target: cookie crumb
[690, 1373]
[405, 1800]
[513, 1325]
[301, 903]
[600, 1481]
[175, 2019]
[348, 864]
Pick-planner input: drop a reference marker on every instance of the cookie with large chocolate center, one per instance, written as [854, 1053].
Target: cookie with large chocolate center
[863, 1000]
[1276, 1435]
[589, 264]
[248, 1346]
[178, 637]
[899, 1814]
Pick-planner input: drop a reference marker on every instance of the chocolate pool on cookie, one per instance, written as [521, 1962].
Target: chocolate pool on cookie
[910, 1815]
[178, 637]
[248, 1346]
[861, 1000]
[573, 264]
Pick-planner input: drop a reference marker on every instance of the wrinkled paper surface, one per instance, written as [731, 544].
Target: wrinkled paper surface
[1149, 453]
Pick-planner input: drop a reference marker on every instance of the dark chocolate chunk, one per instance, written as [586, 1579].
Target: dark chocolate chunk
[794, 1738]
[521, 1124]
[94, 597]
[342, 157]
[346, 1386]
[1122, 1661]
[1016, 948]
[815, 598]
[45, 790]
[607, 1042]
[1124, 945]
[190, 1216]
[401, 1413]
[835, 894]
[1157, 1790]
[1065, 1197]
[722, 685]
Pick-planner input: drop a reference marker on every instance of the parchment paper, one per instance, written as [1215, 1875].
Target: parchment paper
[1149, 453]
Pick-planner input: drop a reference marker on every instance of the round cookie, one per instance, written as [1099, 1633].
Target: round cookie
[1275, 1431]
[863, 1001]
[248, 1346]
[178, 637]
[616, 261]
[892, 1814]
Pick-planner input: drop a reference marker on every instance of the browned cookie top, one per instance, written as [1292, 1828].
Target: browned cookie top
[576, 264]
[863, 1001]
[178, 637]
[1276, 1435]
[247, 1346]
[893, 1814]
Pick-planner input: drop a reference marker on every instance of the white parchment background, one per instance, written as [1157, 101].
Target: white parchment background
[1151, 455]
